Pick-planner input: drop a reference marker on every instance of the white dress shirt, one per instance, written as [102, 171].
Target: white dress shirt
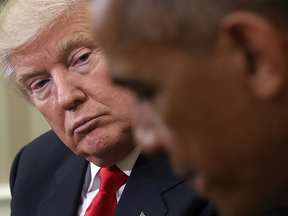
[92, 180]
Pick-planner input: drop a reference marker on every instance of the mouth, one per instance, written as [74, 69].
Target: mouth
[85, 125]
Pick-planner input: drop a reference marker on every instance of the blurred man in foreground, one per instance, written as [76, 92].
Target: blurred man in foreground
[49, 54]
[211, 79]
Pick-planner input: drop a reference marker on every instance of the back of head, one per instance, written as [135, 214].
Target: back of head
[182, 22]
[188, 59]
[21, 21]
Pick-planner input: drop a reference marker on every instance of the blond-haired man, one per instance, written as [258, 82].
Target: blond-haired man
[49, 54]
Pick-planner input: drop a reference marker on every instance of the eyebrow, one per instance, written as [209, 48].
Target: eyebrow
[132, 84]
[62, 48]
[74, 41]
[25, 75]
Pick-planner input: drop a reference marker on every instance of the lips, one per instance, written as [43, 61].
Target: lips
[86, 124]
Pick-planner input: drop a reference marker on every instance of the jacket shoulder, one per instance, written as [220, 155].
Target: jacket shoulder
[33, 176]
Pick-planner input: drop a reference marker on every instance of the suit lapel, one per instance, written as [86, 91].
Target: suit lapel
[164, 177]
[65, 198]
[144, 188]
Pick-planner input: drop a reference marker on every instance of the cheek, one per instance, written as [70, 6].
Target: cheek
[53, 115]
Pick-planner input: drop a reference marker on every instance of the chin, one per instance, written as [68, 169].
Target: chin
[99, 157]
[101, 162]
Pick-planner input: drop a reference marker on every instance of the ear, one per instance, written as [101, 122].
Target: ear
[263, 52]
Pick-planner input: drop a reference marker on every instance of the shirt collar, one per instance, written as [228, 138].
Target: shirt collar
[126, 165]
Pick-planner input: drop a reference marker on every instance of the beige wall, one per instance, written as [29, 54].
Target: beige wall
[20, 122]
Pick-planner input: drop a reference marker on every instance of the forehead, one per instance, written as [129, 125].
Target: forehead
[54, 44]
[62, 32]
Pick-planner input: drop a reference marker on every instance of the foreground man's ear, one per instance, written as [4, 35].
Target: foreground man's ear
[263, 51]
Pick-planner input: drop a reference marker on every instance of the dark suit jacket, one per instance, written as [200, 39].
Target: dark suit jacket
[277, 212]
[47, 179]
[209, 210]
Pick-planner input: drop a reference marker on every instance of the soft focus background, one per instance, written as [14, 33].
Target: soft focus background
[20, 122]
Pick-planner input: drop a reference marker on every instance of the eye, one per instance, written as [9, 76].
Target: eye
[84, 57]
[80, 58]
[145, 94]
[142, 90]
[38, 84]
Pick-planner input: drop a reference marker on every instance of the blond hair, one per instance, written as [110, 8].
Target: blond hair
[21, 21]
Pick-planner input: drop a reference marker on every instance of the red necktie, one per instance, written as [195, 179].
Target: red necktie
[105, 202]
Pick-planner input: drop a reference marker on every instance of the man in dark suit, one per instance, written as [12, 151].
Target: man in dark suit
[47, 179]
[49, 54]
[212, 84]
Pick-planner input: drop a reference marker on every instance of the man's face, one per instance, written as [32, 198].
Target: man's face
[65, 73]
[195, 104]
[190, 106]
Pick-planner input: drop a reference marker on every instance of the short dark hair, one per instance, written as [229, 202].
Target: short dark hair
[181, 22]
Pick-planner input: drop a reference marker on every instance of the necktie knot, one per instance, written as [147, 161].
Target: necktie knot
[105, 202]
[111, 179]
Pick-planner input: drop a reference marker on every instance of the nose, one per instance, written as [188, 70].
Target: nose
[69, 91]
[149, 131]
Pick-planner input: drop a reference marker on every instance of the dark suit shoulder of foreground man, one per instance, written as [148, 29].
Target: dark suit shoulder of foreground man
[47, 179]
